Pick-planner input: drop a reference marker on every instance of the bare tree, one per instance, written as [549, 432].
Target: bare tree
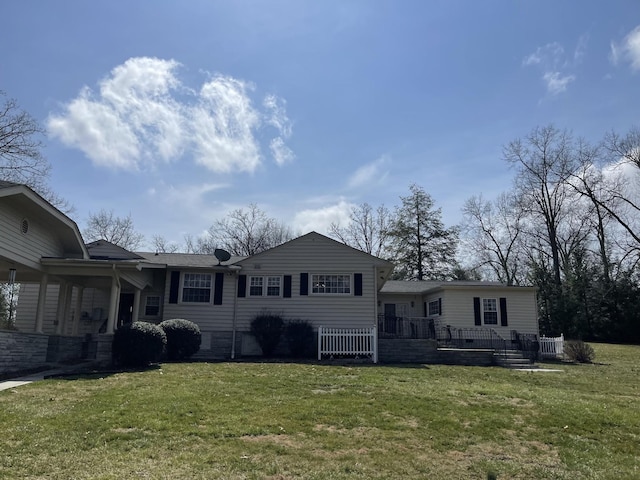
[626, 148]
[20, 158]
[245, 233]
[104, 225]
[493, 234]
[541, 163]
[161, 245]
[367, 230]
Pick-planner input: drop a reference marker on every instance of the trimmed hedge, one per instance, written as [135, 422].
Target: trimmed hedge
[300, 338]
[267, 329]
[183, 338]
[138, 344]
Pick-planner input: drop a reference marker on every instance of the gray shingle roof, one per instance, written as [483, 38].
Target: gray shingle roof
[418, 287]
[186, 259]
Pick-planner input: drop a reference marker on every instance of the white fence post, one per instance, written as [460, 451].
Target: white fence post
[348, 341]
[552, 346]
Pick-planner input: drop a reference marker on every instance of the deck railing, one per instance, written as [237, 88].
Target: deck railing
[449, 336]
[348, 342]
[552, 346]
[390, 326]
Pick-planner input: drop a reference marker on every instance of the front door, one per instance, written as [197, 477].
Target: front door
[390, 318]
[125, 312]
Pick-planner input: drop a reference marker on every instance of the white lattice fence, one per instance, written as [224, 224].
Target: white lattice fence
[354, 342]
[552, 346]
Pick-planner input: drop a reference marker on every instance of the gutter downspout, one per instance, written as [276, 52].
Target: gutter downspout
[235, 313]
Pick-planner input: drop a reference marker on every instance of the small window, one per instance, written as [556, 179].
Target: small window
[152, 306]
[340, 284]
[434, 308]
[255, 286]
[196, 287]
[490, 311]
[265, 286]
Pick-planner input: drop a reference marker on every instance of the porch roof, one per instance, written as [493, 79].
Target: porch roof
[425, 286]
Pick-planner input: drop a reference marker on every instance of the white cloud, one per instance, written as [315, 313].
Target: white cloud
[550, 59]
[556, 82]
[143, 115]
[370, 174]
[628, 50]
[281, 153]
[320, 219]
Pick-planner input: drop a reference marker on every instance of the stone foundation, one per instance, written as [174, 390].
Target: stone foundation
[22, 351]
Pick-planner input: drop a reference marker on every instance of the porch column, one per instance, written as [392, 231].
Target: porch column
[78, 310]
[136, 305]
[66, 312]
[42, 298]
[61, 306]
[113, 305]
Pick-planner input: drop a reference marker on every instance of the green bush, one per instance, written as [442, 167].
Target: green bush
[183, 338]
[578, 351]
[267, 329]
[300, 339]
[138, 344]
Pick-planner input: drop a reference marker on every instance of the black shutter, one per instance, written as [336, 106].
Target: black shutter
[357, 284]
[286, 291]
[476, 311]
[440, 306]
[304, 284]
[217, 291]
[242, 285]
[174, 287]
[503, 312]
[426, 312]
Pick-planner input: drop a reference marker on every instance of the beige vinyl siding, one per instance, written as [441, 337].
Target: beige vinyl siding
[27, 248]
[416, 311]
[313, 254]
[457, 306]
[93, 301]
[208, 316]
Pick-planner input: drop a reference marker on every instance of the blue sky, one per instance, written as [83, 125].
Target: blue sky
[178, 112]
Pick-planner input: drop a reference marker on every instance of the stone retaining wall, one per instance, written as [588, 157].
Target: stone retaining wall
[22, 351]
[404, 350]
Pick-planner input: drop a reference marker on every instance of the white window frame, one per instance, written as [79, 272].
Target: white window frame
[265, 283]
[147, 305]
[433, 308]
[322, 282]
[201, 277]
[487, 308]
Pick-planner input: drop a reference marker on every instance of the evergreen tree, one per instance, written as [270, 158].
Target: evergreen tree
[421, 246]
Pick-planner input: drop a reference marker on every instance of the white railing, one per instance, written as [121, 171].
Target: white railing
[348, 342]
[552, 346]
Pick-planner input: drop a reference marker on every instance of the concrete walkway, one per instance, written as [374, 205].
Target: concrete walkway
[34, 377]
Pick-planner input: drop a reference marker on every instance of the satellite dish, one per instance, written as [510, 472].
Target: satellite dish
[221, 255]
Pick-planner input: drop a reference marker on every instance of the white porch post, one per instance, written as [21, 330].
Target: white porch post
[113, 305]
[62, 290]
[78, 310]
[42, 298]
[66, 311]
[136, 305]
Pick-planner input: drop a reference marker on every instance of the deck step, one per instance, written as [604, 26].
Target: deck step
[512, 359]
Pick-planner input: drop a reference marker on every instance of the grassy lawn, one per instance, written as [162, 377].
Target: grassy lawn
[284, 421]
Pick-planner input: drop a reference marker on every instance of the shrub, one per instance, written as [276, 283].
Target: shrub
[138, 344]
[183, 338]
[299, 336]
[578, 351]
[267, 329]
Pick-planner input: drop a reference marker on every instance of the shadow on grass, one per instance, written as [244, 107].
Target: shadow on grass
[93, 373]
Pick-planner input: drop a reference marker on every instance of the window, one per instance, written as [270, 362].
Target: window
[490, 311]
[196, 287]
[434, 308]
[152, 306]
[331, 284]
[257, 286]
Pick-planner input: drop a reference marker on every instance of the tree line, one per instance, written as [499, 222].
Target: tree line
[569, 225]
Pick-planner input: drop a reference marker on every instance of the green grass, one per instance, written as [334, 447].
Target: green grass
[284, 421]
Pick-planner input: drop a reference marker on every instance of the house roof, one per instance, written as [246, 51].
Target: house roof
[34, 205]
[103, 250]
[187, 259]
[422, 287]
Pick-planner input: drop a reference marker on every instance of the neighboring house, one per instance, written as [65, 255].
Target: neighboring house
[69, 289]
